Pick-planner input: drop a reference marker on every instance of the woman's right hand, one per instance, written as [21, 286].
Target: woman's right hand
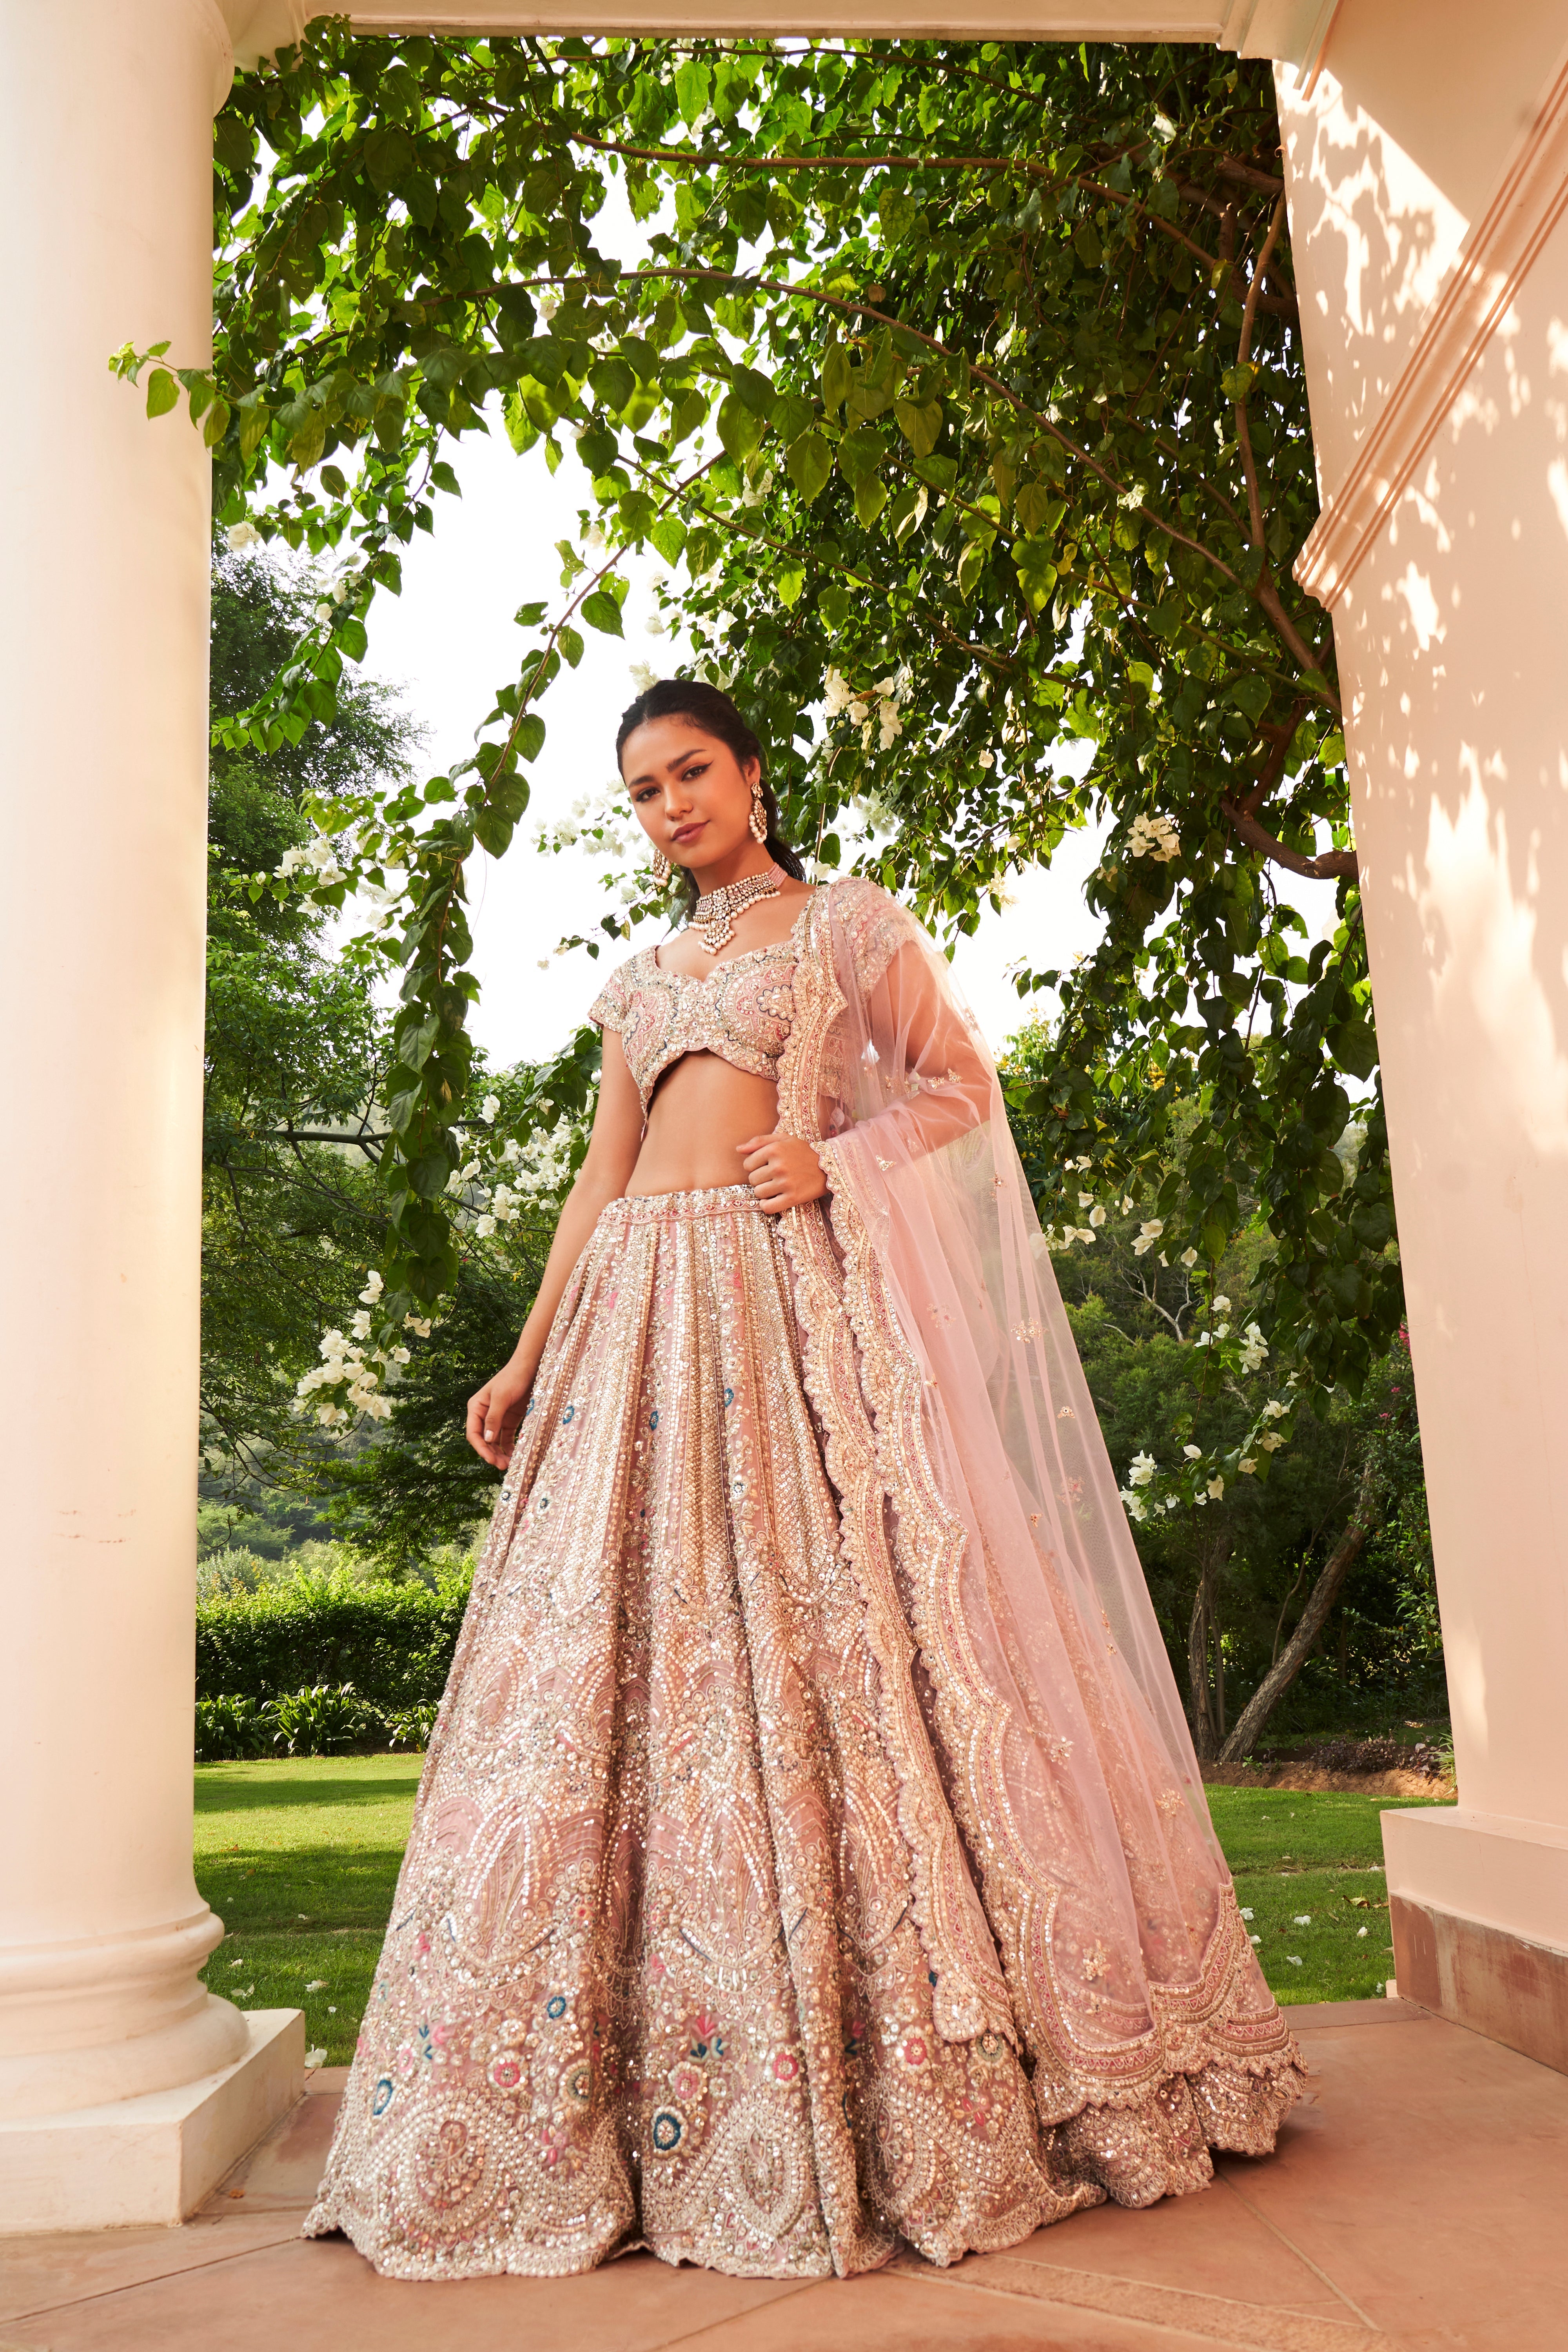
[494, 1412]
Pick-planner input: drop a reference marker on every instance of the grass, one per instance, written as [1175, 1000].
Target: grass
[298, 1857]
[1309, 1870]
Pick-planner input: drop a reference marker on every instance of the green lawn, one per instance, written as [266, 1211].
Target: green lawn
[298, 1858]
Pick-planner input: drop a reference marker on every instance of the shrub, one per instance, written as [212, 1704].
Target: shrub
[392, 1643]
[318, 1722]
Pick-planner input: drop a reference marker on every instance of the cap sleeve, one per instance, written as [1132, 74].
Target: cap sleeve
[875, 927]
[609, 1008]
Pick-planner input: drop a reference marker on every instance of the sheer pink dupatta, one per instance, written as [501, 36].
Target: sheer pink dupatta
[960, 1431]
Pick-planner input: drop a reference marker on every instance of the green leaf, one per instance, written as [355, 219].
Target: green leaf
[1251, 695]
[757, 389]
[570, 643]
[860, 453]
[443, 477]
[493, 831]
[693, 83]
[351, 636]
[162, 391]
[809, 464]
[529, 740]
[740, 428]
[614, 381]
[1353, 1046]
[835, 376]
[1036, 506]
[388, 158]
[921, 423]
[601, 613]
[789, 584]
[871, 497]
[668, 536]
[217, 423]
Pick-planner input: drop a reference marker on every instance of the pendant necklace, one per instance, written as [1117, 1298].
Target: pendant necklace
[714, 918]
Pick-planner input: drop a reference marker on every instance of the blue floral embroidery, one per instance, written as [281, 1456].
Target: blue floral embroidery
[556, 2005]
[653, 1419]
[568, 1414]
[668, 2130]
[729, 1398]
[383, 2099]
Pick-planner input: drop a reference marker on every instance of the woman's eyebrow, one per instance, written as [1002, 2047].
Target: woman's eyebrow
[697, 752]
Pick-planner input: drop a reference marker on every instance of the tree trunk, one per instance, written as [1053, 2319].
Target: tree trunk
[1203, 1636]
[1314, 1617]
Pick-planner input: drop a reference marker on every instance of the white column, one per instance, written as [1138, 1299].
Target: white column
[1428, 172]
[105, 146]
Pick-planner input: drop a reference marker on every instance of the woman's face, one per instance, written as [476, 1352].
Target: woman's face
[691, 795]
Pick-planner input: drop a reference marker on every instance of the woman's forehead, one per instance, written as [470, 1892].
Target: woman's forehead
[660, 744]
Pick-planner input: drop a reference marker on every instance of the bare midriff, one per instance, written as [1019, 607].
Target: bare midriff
[702, 1110]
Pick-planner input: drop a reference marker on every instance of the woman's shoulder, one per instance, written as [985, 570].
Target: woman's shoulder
[874, 924]
[609, 1007]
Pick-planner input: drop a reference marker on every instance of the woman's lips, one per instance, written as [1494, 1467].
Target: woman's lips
[689, 832]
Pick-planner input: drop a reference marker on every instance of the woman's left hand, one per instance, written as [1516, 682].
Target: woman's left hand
[782, 1171]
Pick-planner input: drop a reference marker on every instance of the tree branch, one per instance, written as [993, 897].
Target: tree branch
[1333, 866]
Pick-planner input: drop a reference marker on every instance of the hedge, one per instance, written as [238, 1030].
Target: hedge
[392, 1643]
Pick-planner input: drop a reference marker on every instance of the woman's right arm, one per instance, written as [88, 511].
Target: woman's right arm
[496, 1410]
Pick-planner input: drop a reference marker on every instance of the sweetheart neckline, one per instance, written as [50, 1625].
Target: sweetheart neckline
[700, 979]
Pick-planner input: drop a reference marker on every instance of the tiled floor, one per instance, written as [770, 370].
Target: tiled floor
[1417, 2200]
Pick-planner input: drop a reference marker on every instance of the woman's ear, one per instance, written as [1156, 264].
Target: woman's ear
[750, 770]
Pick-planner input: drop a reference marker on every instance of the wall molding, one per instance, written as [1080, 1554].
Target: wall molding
[1283, 29]
[1496, 257]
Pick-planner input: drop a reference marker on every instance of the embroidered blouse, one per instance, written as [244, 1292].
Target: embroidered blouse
[741, 1010]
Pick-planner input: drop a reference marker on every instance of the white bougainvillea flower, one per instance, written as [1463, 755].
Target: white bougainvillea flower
[241, 535]
[1189, 1258]
[489, 1106]
[1217, 1489]
[1142, 1470]
[1272, 1441]
[1222, 1306]
[1247, 1465]
[1192, 1452]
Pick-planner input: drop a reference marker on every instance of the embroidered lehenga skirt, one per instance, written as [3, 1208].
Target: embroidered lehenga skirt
[653, 1976]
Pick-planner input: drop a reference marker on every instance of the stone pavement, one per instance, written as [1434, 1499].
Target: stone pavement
[1417, 2201]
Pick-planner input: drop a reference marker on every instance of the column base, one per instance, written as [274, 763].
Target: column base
[154, 2158]
[1478, 1911]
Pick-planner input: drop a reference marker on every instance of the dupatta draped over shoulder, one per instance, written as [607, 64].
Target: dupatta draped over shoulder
[1069, 1890]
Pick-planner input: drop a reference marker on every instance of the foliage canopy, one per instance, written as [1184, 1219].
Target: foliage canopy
[960, 388]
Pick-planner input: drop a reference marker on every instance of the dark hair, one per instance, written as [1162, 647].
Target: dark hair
[708, 708]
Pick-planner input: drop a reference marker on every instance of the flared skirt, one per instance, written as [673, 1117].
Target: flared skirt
[653, 1975]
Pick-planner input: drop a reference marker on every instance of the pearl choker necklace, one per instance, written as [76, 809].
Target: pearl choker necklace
[713, 919]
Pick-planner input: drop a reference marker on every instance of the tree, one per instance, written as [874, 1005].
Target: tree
[999, 346]
[295, 1048]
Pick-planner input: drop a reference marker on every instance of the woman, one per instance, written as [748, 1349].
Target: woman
[810, 1852]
